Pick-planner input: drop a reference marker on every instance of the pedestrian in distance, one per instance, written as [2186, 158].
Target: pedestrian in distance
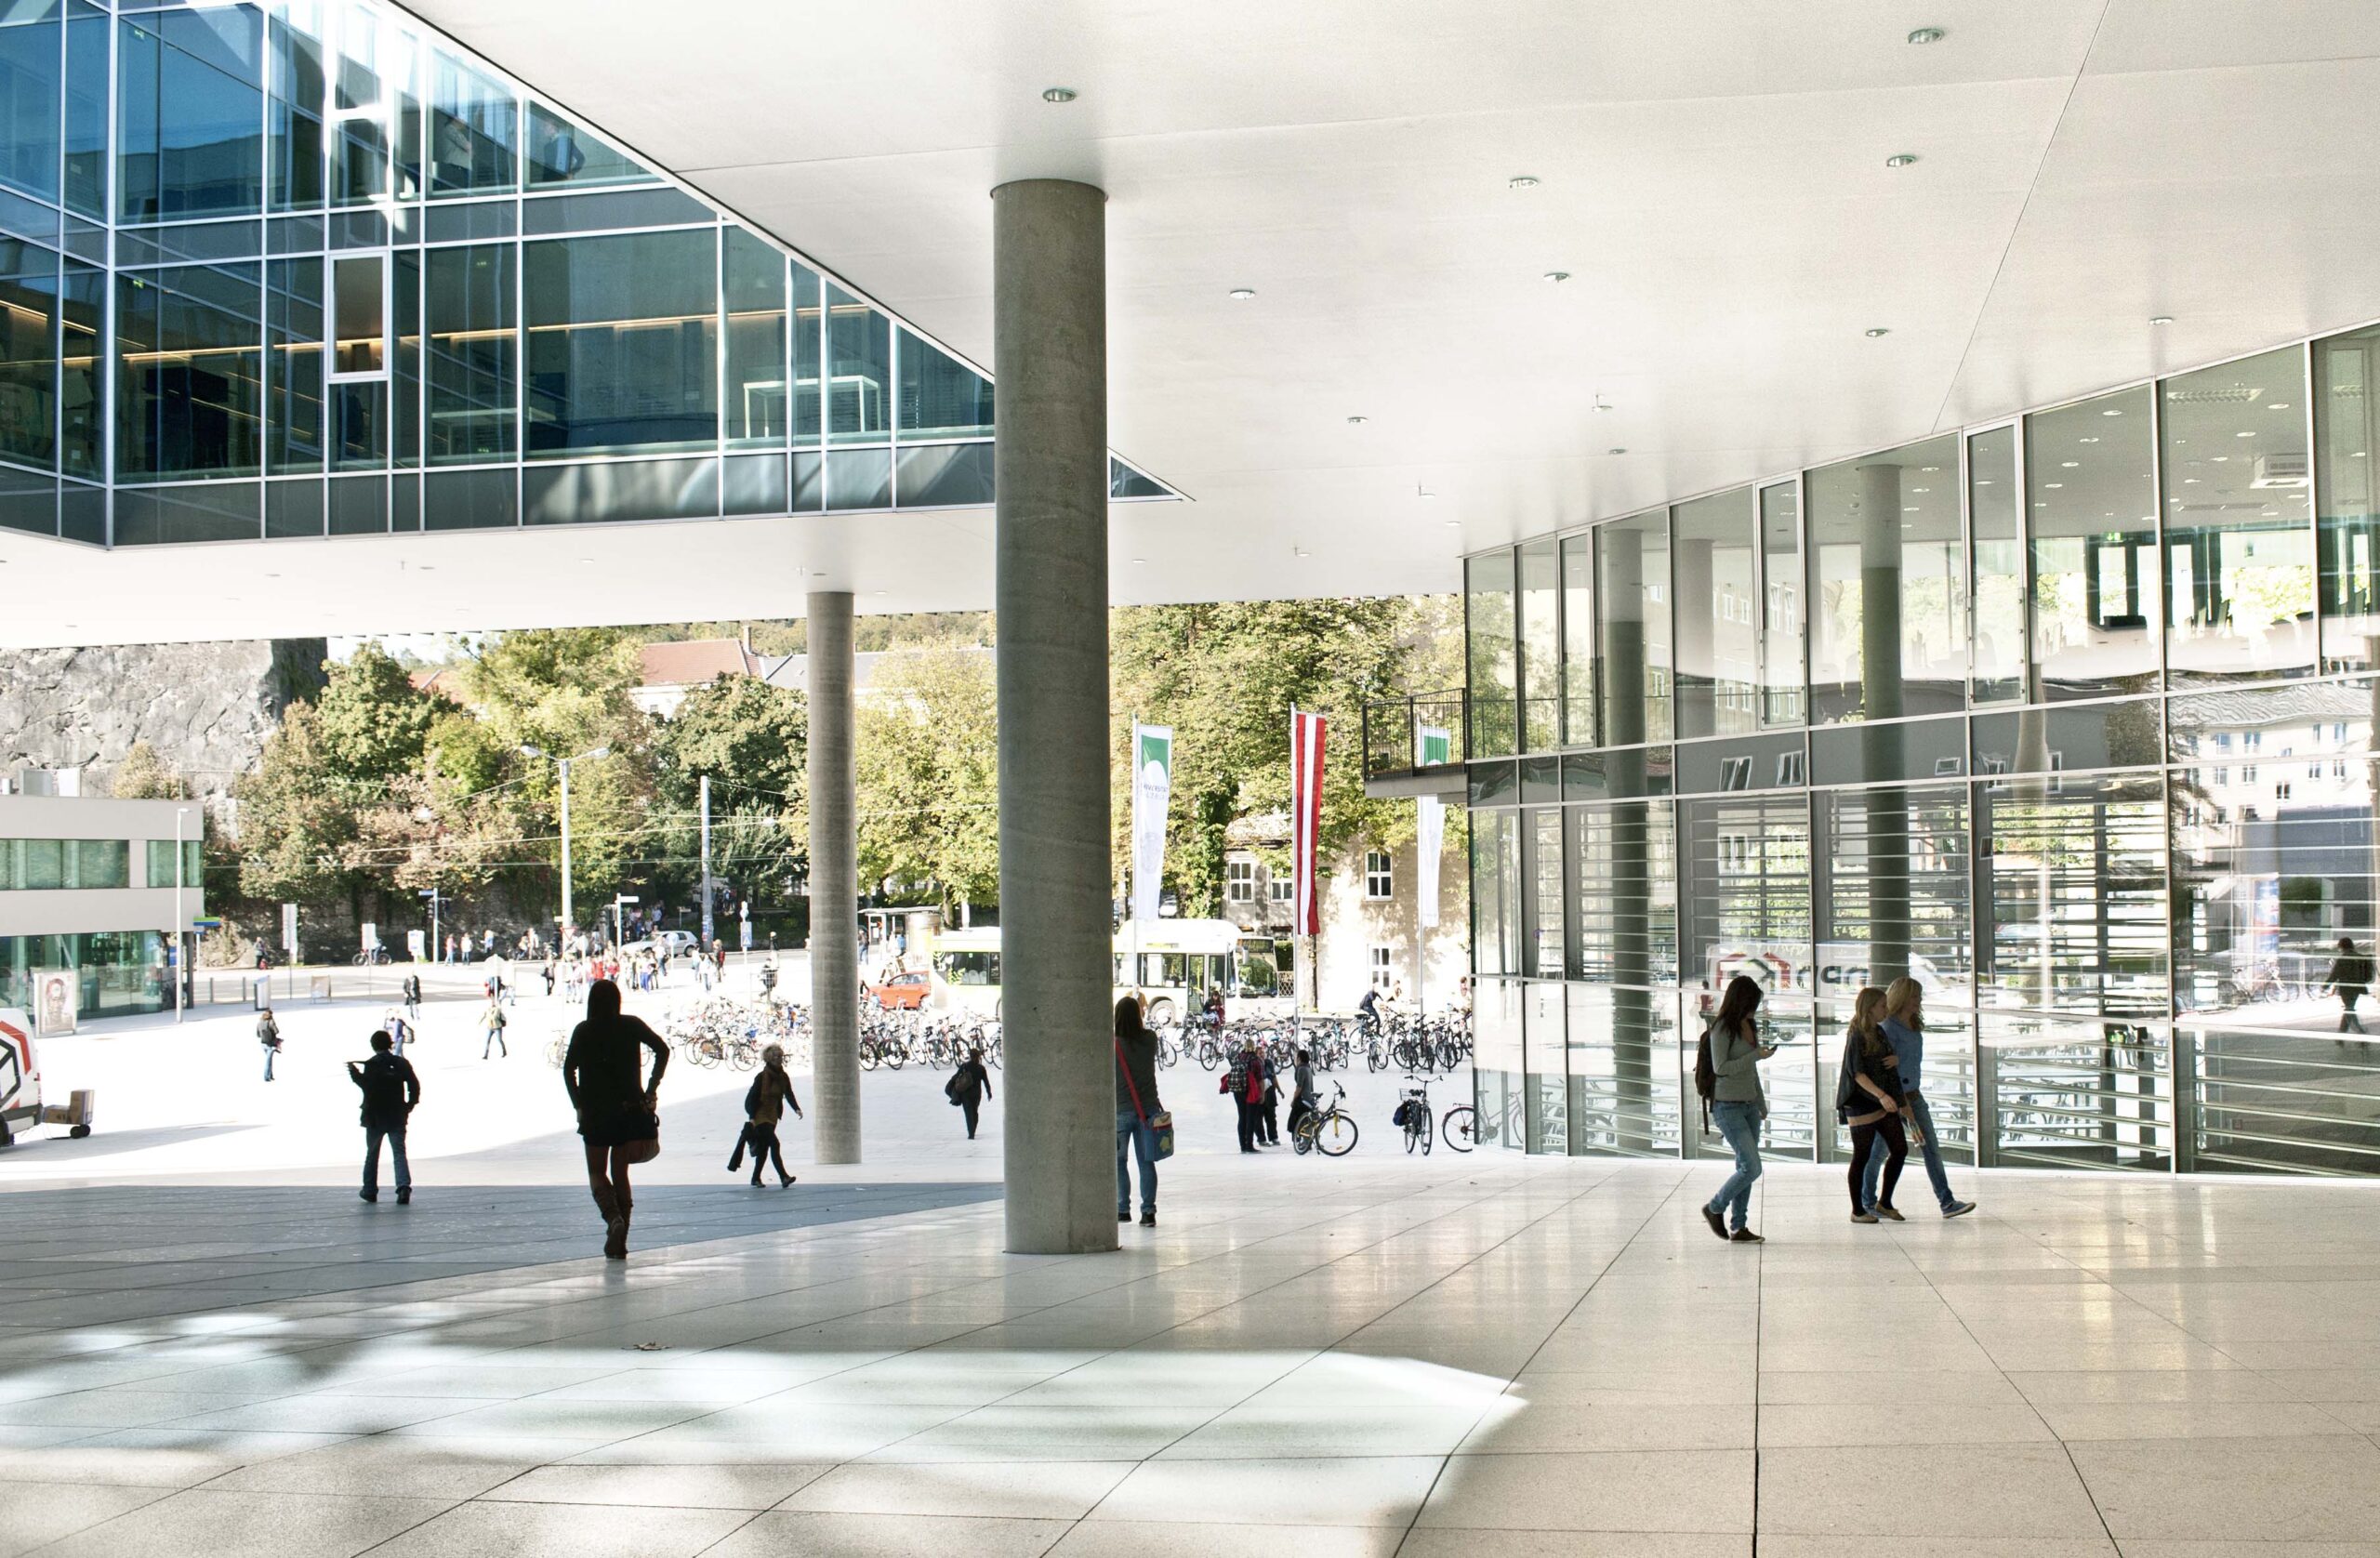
[1136, 1106]
[618, 1110]
[391, 1089]
[1301, 1095]
[1243, 1083]
[1726, 1073]
[1904, 1029]
[1269, 1104]
[548, 970]
[411, 988]
[765, 1102]
[2350, 979]
[268, 1034]
[399, 1029]
[492, 1020]
[1869, 1098]
[970, 1088]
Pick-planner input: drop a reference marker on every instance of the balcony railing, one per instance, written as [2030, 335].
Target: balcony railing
[1410, 735]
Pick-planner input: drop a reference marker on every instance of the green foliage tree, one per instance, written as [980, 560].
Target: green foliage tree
[752, 739]
[929, 777]
[143, 775]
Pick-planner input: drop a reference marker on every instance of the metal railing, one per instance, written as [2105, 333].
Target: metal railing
[1395, 728]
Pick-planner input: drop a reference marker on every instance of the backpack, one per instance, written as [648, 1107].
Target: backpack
[959, 1084]
[1706, 1077]
[1402, 1107]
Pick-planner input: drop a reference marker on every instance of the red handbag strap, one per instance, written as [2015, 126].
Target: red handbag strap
[1129, 1085]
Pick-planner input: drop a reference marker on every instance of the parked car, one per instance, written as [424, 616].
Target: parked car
[903, 992]
[678, 943]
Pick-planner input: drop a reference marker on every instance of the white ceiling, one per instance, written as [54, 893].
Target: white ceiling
[1711, 177]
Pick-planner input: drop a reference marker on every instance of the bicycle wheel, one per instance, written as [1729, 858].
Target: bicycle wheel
[868, 1057]
[896, 1055]
[1335, 1134]
[1461, 1128]
[1429, 1129]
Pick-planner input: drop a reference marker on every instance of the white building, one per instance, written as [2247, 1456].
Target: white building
[1371, 938]
[88, 888]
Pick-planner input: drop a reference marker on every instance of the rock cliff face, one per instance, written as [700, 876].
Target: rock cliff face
[205, 707]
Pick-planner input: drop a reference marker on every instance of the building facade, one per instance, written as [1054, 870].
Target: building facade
[1371, 936]
[2070, 718]
[90, 888]
[303, 268]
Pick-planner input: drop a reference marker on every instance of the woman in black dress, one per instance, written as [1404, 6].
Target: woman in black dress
[614, 1107]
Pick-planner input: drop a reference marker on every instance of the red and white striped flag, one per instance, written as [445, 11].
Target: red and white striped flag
[1306, 733]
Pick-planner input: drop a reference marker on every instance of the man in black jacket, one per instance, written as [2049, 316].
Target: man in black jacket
[391, 1089]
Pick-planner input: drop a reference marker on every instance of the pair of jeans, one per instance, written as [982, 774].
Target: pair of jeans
[1931, 1150]
[1135, 1137]
[1251, 1125]
[1739, 1121]
[395, 1135]
[1864, 1158]
[269, 1051]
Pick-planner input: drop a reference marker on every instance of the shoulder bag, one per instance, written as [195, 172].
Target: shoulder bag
[1160, 1125]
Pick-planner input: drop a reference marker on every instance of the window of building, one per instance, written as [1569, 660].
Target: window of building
[2095, 586]
[161, 863]
[474, 354]
[941, 397]
[189, 390]
[474, 130]
[2238, 546]
[1888, 523]
[1239, 881]
[753, 281]
[1718, 642]
[623, 343]
[1281, 887]
[859, 359]
[2281, 791]
[45, 863]
[1380, 877]
[1382, 976]
[2248, 775]
[189, 136]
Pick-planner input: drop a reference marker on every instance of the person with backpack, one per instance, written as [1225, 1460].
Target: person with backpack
[1726, 1076]
[2350, 979]
[413, 998]
[765, 1102]
[1870, 1099]
[970, 1088]
[493, 1021]
[1904, 1029]
[1139, 1113]
[1243, 1083]
[268, 1034]
[391, 1089]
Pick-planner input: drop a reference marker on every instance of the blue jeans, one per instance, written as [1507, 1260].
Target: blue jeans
[1932, 1154]
[1134, 1136]
[396, 1136]
[1739, 1121]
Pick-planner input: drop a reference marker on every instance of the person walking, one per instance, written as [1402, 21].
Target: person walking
[970, 1088]
[599, 1071]
[493, 1021]
[1301, 1093]
[1737, 1106]
[391, 1089]
[1136, 1103]
[764, 1105]
[399, 1029]
[1869, 1098]
[268, 1034]
[1904, 1029]
[1243, 1083]
[411, 988]
[2350, 979]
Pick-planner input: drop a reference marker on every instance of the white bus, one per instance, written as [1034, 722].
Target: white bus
[1171, 964]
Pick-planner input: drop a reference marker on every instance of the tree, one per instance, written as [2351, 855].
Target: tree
[752, 740]
[143, 775]
[928, 776]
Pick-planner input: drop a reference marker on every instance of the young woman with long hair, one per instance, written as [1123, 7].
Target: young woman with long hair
[1869, 1100]
[1737, 1106]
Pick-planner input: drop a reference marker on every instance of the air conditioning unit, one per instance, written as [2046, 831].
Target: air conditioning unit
[2283, 467]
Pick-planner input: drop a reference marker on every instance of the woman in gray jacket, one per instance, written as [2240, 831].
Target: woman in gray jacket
[1737, 1105]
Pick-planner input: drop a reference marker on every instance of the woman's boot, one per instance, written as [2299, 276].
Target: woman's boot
[615, 1222]
[617, 1246]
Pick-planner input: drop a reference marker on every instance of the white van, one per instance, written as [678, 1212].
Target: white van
[20, 1085]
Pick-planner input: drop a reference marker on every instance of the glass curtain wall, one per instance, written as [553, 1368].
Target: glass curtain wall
[297, 268]
[2069, 719]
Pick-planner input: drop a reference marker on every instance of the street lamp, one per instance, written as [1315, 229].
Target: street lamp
[564, 764]
[181, 917]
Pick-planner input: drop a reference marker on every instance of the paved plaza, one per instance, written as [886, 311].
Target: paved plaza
[1381, 1354]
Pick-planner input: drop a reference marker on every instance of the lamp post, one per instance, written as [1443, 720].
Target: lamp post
[181, 917]
[563, 765]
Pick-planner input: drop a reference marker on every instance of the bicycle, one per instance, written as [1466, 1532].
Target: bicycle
[1328, 1131]
[1413, 1114]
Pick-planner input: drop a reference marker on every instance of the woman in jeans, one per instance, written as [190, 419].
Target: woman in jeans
[1136, 1100]
[1737, 1105]
[1870, 1099]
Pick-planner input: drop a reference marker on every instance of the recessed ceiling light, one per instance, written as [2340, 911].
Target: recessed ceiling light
[427, 567]
[1454, 525]
[2113, 411]
[2053, 485]
[1617, 449]
[1300, 550]
[1140, 560]
[1557, 275]
[875, 592]
[1601, 405]
[1358, 421]
[1059, 93]
[1926, 35]
[1929, 467]
[1521, 182]
[1875, 330]
[2162, 319]
[2277, 405]
[1242, 294]
[2070, 465]
[1900, 159]
[2243, 434]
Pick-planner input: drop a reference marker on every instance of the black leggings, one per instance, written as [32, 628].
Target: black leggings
[765, 1151]
[1863, 1143]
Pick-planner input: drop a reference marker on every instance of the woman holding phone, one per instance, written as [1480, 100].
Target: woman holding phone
[1737, 1106]
[1872, 1104]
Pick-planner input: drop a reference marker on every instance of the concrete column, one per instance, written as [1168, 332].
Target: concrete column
[1882, 697]
[1634, 1060]
[834, 884]
[1050, 454]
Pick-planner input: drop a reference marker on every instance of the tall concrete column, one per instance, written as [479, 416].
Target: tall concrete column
[1882, 698]
[834, 884]
[1050, 454]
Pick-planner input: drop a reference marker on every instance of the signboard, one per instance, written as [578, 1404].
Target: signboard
[58, 999]
[289, 928]
[417, 944]
[1152, 794]
[1430, 822]
[371, 935]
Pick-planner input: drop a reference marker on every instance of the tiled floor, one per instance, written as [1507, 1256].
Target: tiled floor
[1366, 1358]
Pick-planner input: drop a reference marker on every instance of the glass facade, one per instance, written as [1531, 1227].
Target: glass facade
[2071, 719]
[263, 262]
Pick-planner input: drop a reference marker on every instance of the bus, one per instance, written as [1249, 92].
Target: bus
[1171, 964]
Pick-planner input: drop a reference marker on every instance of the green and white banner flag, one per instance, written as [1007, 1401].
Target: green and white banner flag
[1152, 790]
[1436, 749]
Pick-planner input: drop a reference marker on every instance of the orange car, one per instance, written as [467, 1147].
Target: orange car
[903, 992]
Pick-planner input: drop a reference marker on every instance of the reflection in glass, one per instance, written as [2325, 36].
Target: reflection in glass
[29, 95]
[859, 356]
[2239, 551]
[1544, 936]
[190, 342]
[2073, 1092]
[292, 326]
[1624, 1074]
[2075, 918]
[190, 94]
[1623, 873]
[88, 32]
[294, 113]
[474, 127]
[1746, 892]
[82, 309]
[473, 355]
[1718, 614]
[1493, 671]
[1541, 664]
[623, 340]
[1497, 1052]
[1892, 890]
[1578, 640]
[1888, 584]
[1783, 650]
[1995, 522]
[2093, 523]
[755, 298]
[560, 152]
[1545, 1062]
[809, 342]
[2346, 417]
[1633, 574]
[941, 397]
[28, 353]
[1496, 892]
